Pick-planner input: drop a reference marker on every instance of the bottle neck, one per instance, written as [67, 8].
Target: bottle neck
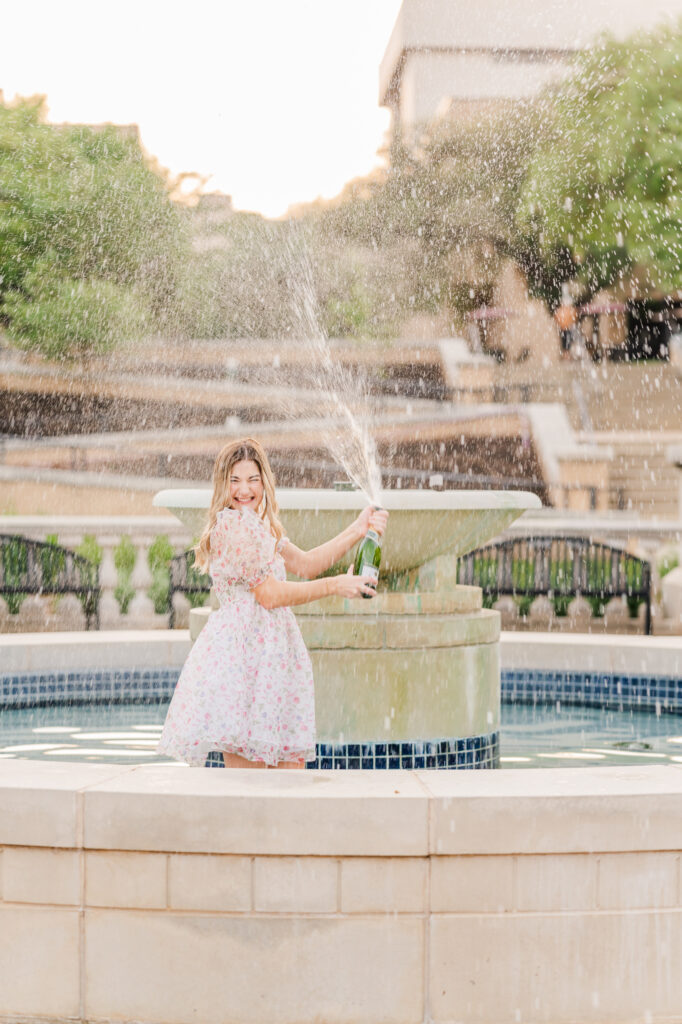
[372, 534]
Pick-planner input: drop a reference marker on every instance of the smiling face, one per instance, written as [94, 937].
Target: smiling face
[245, 485]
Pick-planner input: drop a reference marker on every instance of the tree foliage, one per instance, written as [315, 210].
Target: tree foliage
[607, 183]
[586, 180]
[443, 213]
[256, 278]
[90, 244]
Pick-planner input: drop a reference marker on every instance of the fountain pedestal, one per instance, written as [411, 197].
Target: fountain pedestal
[410, 679]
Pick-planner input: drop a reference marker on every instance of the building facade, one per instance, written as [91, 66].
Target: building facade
[453, 57]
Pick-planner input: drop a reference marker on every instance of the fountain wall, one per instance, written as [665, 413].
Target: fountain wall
[403, 897]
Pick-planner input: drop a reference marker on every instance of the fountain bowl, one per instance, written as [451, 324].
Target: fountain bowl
[424, 524]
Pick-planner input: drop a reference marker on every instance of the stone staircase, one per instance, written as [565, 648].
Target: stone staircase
[631, 411]
[641, 477]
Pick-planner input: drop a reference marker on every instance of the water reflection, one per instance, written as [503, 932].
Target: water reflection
[533, 736]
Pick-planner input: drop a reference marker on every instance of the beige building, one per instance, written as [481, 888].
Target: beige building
[446, 55]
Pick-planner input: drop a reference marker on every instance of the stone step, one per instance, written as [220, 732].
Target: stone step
[399, 632]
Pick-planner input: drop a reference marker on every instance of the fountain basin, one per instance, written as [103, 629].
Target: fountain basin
[423, 524]
[410, 679]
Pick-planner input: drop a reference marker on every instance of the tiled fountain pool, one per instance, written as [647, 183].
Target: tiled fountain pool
[545, 721]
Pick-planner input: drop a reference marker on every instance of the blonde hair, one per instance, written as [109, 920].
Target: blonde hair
[247, 449]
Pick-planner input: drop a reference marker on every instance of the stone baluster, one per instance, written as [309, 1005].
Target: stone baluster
[181, 608]
[141, 613]
[109, 611]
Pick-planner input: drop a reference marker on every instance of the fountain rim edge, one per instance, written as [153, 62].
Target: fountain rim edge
[328, 500]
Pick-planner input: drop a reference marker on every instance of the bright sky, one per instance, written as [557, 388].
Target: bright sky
[276, 100]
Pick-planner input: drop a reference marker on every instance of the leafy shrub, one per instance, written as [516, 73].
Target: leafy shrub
[562, 590]
[15, 567]
[158, 558]
[90, 550]
[196, 580]
[124, 561]
[52, 561]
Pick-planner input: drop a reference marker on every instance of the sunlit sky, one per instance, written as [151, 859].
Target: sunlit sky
[274, 101]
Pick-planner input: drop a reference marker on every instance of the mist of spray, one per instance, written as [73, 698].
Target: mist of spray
[352, 444]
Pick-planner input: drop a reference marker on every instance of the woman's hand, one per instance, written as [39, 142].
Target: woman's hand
[372, 519]
[348, 585]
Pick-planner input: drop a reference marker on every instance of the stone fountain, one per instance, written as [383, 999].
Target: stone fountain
[410, 679]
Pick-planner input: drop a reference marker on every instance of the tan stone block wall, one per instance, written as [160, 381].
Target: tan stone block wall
[555, 968]
[383, 885]
[199, 882]
[637, 880]
[125, 879]
[465, 885]
[39, 962]
[265, 970]
[35, 875]
[295, 885]
[545, 897]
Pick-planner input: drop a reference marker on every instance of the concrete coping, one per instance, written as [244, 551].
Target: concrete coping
[125, 649]
[584, 652]
[390, 813]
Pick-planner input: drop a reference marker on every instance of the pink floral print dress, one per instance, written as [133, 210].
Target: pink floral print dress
[247, 685]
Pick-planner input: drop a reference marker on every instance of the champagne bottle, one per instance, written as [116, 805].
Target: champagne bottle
[368, 558]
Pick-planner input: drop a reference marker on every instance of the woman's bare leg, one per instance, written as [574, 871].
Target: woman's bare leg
[291, 765]
[237, 761]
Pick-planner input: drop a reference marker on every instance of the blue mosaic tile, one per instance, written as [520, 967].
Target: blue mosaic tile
[31, 689]
[619, 692]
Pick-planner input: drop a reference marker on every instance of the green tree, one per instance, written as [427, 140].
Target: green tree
[443, 214]
[91, 246]
[607, 182]
[237, 287]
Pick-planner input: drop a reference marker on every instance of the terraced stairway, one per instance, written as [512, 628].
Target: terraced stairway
[641, 478]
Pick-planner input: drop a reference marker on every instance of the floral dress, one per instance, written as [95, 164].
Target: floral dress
[247, 685]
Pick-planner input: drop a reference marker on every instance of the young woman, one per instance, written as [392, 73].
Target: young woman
[246, 688]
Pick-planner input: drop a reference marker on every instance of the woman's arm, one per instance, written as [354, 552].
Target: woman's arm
[308, 564]
[274, 593]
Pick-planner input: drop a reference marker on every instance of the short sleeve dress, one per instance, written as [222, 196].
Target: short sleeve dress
[247, 685]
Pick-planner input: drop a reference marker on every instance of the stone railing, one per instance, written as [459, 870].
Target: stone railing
[130, 551]
[659, 541]
[128, 590]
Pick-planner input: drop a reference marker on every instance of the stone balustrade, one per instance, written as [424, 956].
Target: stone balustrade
[105, 533]
[38, 614]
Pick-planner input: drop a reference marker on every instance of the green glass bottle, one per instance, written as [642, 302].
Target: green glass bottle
[368, 558]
